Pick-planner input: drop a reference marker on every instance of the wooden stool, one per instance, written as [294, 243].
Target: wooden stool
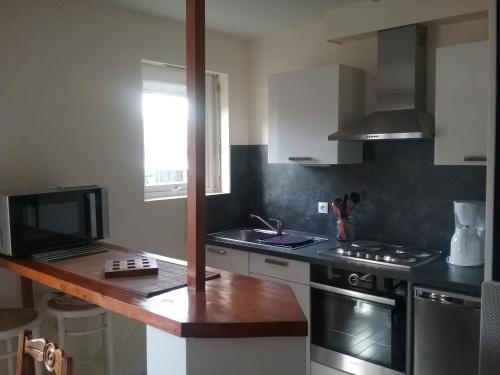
[11, 322]
[62, 307]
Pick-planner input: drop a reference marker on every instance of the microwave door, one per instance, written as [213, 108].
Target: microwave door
[41, 222]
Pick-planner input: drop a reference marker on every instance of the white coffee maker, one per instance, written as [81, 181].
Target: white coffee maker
[467, 243]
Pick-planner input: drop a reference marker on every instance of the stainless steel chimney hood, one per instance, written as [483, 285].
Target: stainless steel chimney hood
[401, 91]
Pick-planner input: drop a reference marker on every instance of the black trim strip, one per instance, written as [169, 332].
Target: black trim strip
[496, 203]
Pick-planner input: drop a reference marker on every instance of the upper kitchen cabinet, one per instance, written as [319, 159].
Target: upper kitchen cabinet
[306, 106]
[462, 81]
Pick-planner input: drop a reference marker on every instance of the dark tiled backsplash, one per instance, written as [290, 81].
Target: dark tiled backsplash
[229, 211]
[405, 198]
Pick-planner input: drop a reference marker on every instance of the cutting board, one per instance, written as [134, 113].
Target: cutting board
[170, 275]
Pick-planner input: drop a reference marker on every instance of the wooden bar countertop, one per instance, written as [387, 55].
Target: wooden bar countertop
[232, 306]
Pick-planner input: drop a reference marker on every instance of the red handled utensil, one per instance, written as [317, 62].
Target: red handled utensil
[344, 206]
[337, 207]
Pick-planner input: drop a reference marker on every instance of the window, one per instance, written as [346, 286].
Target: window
[165, 114]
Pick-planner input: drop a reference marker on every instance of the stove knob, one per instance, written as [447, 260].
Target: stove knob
[353, 279]
[377, 257]
[368, 256]
[349, 253]
[387, 258]
[359, 254]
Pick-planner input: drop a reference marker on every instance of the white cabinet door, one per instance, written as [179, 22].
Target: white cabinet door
[462, 90]
[302, 292]
[306, 106]
[227, 259]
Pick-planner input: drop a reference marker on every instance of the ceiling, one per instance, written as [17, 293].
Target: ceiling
[249, 18]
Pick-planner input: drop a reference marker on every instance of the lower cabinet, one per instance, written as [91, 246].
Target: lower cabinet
[301, 291]
[227, 259]
[293, 273]
[303, 296]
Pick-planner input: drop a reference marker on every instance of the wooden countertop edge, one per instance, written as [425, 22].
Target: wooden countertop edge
[242, 330]
[118, 301]
[100, 299]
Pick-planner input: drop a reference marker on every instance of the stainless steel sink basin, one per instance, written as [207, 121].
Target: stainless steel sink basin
[244, 235]
[259, 236]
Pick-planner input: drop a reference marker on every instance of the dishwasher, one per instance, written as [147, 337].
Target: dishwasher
[446, 333]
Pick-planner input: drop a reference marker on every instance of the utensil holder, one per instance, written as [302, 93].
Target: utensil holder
[345, 229]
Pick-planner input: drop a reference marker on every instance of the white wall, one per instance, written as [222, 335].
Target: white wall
[70, 113]
[306, 47]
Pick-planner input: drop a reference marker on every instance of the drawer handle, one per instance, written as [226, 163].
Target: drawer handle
[216, 251]
[475, 158]
[281, 263]
[300, 158]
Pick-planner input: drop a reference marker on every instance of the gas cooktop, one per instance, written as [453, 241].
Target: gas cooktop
[380, 253]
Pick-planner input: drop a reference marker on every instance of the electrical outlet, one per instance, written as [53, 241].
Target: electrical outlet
[322, 207]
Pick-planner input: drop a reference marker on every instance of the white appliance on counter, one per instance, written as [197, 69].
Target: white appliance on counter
[467, 243]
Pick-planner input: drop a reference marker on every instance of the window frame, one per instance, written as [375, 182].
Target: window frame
[217, 171]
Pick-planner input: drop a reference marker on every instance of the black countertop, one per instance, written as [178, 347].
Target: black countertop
[435, 274]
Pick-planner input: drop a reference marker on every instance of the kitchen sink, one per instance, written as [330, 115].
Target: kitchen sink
[244, 235]
[268, 238]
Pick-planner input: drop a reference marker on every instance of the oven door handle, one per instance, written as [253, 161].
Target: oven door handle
[354, 294]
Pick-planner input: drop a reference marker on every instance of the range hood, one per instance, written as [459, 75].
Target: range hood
[401, 91]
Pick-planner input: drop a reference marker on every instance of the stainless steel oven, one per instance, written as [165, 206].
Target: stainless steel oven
[358, 322]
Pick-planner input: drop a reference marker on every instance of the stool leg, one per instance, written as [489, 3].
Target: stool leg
[61, 331]
[10, 359]
[108, 337]
[38, 365]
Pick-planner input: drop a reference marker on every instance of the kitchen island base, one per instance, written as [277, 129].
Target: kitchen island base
[169, 354]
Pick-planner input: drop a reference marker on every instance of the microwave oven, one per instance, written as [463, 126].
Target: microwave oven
[39, 220]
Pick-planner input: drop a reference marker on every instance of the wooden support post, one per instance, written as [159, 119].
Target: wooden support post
[196, 226]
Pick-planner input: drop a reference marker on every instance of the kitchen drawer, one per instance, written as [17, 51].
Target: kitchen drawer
[227, 259]
[280, 268]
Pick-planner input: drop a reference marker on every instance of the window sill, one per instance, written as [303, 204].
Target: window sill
[180, 197]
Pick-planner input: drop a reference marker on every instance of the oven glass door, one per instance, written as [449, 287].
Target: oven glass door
[370, 329]
[43, 222]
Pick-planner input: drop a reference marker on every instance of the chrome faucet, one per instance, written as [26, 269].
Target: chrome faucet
[279, 225]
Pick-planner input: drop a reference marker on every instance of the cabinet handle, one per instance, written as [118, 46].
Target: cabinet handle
[475, 158]
[216, 251]
[300, 158]
[281, 263]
